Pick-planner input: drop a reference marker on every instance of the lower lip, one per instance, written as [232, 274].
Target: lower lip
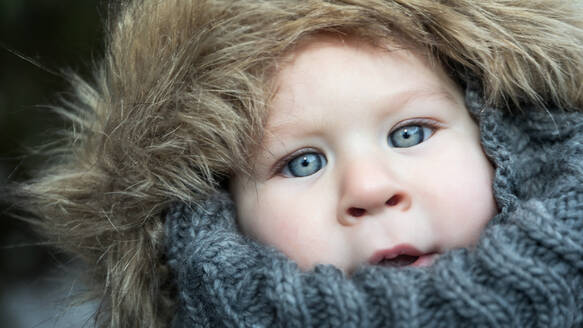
[425, 260]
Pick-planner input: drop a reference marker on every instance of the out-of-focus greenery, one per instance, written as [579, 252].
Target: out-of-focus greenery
[38, 39]
[55, 34]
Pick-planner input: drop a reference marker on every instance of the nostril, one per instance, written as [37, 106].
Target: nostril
[396, 199]
[356, 212]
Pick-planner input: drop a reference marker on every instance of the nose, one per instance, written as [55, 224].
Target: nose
[370, 189]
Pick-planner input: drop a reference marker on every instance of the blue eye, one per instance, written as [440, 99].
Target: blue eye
[409, 136]
[304, 165]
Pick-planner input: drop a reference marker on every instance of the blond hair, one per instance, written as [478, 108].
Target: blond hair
[180, 98]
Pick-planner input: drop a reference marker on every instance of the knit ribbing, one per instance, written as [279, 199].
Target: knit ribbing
[525, 271]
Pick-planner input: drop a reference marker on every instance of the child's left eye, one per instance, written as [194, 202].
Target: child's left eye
[410, 135]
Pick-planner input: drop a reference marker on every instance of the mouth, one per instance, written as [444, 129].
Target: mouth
[403, 256]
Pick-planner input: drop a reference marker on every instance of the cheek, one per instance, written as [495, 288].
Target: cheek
[459, 194]
[265, 217]
[279, 217]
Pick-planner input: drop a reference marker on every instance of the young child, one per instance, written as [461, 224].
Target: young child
[346, 132]
[369, 156]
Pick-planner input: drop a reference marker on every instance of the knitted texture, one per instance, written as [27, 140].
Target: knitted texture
[526, 270]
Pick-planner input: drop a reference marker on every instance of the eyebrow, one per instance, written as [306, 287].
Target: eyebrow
[405, 97]
[398, 101]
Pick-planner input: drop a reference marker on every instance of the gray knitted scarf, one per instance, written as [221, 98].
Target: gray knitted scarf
[526, 271]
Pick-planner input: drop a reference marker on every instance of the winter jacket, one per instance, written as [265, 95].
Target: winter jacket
[177, 105]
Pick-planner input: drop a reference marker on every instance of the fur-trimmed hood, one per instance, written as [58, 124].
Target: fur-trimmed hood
[178, 103]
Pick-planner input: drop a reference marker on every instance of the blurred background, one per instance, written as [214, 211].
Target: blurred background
[38, 39]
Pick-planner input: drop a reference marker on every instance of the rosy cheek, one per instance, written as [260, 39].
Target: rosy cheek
[456, 190]
[272, 223]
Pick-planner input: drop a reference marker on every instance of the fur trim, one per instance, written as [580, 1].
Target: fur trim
[179, 100]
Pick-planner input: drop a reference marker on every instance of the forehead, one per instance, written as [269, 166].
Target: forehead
[319, 70]
[334, 54]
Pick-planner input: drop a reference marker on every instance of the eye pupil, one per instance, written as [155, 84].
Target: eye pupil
[406, 134]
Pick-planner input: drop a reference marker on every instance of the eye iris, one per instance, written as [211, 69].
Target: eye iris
[305, 165]
[407, 136]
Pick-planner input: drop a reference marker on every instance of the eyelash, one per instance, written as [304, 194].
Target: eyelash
[425, 122]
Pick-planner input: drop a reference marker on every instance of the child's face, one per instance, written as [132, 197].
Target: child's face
[368, 154]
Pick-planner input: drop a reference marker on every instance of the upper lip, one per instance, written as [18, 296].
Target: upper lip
[391, 253]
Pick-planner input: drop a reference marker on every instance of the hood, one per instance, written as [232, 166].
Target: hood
[178, 103]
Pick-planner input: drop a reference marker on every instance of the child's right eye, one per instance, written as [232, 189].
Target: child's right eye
[304, 165]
